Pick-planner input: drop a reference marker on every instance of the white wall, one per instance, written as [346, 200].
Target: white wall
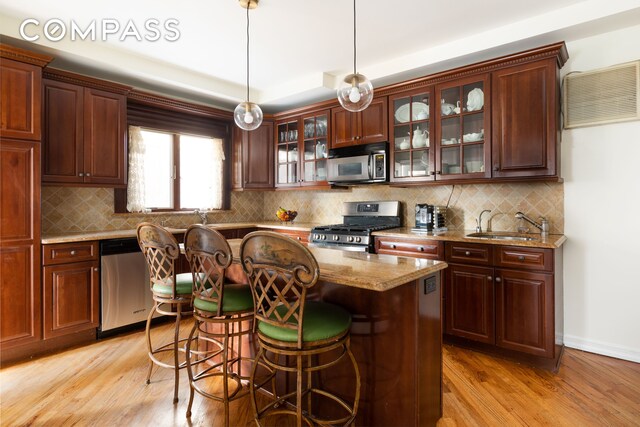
[601, 168]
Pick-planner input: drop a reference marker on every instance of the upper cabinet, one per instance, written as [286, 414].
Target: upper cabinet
[526, 120]
[363, 127]
[462, 128]
[20, 102]
[302, 147]
[253, 157]
[84, 134]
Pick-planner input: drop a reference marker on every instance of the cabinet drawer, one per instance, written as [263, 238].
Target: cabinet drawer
[524, 258]
[299, 236]
[409, 247]
[468, 253]
[61, 253]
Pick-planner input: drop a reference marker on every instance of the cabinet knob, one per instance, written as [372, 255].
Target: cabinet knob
[299, 238]
[392, 246]
[72, 252]
[95, 268]
[496, 168]
[467, 253]
[421, 249]
[498, 280]
[520, 257]
[438, 172]
[432, 173]
[489, 278]
[80, 174]
[87, 174]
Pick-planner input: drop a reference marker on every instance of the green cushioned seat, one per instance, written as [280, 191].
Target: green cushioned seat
[321, 321]
[236, 298]
[184, 285]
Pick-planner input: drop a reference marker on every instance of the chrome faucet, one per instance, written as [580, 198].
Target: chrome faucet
[543, 226]
[479, 221]
[202, 215]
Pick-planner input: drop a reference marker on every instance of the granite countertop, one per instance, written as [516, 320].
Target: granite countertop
[362, 270]
[82, 236]
[552, 241]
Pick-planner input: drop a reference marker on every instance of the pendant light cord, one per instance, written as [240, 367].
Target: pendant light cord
[249, 4]
[354, 36]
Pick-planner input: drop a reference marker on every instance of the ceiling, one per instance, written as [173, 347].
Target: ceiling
[299, 49]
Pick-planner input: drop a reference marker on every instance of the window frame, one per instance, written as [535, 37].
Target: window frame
[162, 120]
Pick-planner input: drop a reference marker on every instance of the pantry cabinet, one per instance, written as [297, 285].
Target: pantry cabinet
[84, 134]
[364, 127]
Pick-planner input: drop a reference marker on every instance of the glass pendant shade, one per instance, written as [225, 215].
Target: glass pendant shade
[355, 92]
[248, 115]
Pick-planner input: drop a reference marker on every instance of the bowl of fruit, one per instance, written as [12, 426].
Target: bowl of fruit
[285, 215]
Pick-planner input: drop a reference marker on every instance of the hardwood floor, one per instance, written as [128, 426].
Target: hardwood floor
[103, 384]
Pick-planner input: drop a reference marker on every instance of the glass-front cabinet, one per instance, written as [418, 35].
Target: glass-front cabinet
[412, 150]
[302, 150]
[463, 129]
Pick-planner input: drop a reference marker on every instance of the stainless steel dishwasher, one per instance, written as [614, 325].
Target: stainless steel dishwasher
[125, 294]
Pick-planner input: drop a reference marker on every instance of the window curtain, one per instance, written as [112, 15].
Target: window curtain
[214, 199]
[136, 181]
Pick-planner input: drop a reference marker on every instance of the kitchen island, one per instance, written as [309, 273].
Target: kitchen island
[396, 334]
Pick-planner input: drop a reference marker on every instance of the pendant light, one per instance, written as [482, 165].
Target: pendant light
[355, 91]
[248, 115]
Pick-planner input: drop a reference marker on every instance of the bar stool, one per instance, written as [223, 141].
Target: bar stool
[170, 291]
[280, 271]
[223, 316]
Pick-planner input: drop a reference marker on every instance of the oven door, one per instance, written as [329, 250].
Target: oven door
[350, 169]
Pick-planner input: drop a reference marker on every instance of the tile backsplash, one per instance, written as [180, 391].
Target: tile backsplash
[75, 209]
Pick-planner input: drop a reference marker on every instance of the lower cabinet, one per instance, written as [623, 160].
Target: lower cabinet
[511, 309]
[298, 235]
[70, 288]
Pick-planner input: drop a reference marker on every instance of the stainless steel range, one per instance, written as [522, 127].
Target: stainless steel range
[360, 219]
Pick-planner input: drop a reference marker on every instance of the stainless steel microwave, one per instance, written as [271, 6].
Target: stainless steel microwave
[358, 164]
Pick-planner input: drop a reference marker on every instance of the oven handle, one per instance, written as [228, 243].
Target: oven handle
[348, 248]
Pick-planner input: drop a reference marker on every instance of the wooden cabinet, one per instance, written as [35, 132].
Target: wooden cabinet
[417, 248]
[298, 235]
[70, 277]
[253, 158]
[84, 135]
[504, 296]
[526, 124]
[20, 291]
[302, 146]
[20, 100]
[363, 127]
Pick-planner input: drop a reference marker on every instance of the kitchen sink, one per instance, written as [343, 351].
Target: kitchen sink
[500, 236]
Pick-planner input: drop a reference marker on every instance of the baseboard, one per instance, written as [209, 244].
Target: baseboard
[603, 348]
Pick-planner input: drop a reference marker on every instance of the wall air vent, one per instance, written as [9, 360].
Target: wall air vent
[607, 95]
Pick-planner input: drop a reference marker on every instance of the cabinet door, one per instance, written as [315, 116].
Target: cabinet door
[469, 303]
[315, 129]
[105, 118]
[287, 156]
[257, 158]
[238, 139]
[70, 298]
[20, 296]
[525, 119]
[62, 143]
[344, 127]
[524, 312]
[20, 100]
[463, 128]
[374, 122]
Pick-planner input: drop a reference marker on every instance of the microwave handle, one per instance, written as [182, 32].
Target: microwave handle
[370, 166]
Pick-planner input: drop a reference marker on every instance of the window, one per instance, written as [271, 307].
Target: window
[174, 171]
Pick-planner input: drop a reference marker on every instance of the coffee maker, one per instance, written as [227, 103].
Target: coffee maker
[430, 217]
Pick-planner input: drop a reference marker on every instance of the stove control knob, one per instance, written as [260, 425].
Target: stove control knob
[358, 239]
[324, 237]
[350, 238]
[336, 238]
[316, 236]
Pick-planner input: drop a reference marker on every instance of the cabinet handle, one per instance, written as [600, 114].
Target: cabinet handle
[438, 172]
[498, 280]
[72, 252]
[299, 238]
[432, 173]
[489, 278]
[520, 257]
[467, 253]
[87, 174]
[421, 249]
[392, 246]
[95, 269]
[80, 174]
[496, 168]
